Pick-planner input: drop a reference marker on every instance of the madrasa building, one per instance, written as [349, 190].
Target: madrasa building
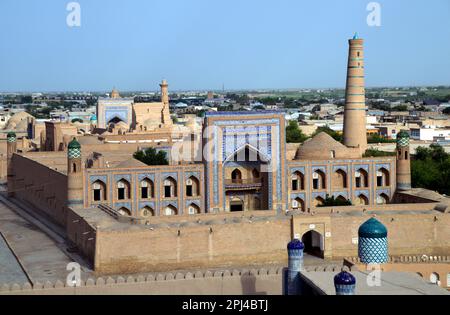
[233, 192]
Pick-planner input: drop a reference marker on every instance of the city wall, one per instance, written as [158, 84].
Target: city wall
[40, 186]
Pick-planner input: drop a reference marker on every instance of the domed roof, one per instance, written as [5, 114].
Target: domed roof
[295, 244]
[403, 134]
[11, 134]
[115, 93]
[344, 278]
[74, 144]
[94, 117]
[372, 228]
[18, 121]
[320, 147]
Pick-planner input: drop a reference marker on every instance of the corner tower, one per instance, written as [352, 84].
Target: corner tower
[403, 161]
[355, 134]
[74, 175]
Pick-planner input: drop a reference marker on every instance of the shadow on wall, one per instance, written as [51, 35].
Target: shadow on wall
[248, 284]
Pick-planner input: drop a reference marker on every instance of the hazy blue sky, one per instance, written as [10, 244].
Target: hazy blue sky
[202, 44]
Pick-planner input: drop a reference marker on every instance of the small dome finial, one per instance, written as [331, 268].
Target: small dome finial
[356, 36]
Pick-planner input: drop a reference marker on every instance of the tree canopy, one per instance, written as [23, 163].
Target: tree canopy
[151, 156]
[334, 134]
[431, 169]
[335, 202]
[294, 134]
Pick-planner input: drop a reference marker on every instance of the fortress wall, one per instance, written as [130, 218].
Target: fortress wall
[228, 282]
[42, 187]
[205, 246]
[408, 234]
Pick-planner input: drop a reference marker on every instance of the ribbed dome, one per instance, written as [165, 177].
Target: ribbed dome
[344, 278]
[74, 144]
[11, 134]
[295, 244]
[372, 228]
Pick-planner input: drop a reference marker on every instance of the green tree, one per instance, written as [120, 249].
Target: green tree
[294, 134]
[376, 152]
[379, 139]
[151, 156]
[334, 202]
[334, 134]
[77, 120]
[431, 169]
[446, 111]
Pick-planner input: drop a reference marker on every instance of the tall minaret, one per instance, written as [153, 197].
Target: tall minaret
[403, 161]
[355, 134]
[74, 175]
[11, 148]
[165, 113]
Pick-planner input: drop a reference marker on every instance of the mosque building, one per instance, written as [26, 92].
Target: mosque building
[239, 197]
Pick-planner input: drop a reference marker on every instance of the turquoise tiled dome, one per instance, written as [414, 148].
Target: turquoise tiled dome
[403, 138]
[94, 117]
[74, 144]
[372, 228]
[11, 136]
[372, 242]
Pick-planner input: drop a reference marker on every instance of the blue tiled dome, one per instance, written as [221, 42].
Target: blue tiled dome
[344, 278]
[372, 228]
[295, 244]
[94, 117]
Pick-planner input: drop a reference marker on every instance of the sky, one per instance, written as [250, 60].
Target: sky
[206, 44]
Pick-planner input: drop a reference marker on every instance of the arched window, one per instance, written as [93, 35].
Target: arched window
[170, 210]
[297, 181]
[147, 212]
[319, 180]
[298, 204]
[362, 200]
[123, 189]
[99, 191]
[147, 189]
[192, 187]
[74, 167]
[170, 188]
[318, 201]
[124, 211]
[382, 177]
[236, 176]
[382, 199]
[339, 179]
[255, 173]
[193, 209]
[361, 178]
[434, 278]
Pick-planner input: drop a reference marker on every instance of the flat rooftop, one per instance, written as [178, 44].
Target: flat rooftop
[392, 283]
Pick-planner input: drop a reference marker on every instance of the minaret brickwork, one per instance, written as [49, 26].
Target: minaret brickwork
[11, 148]
[165, 113]
[74, 175]
[403, 161]
[355, 134]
